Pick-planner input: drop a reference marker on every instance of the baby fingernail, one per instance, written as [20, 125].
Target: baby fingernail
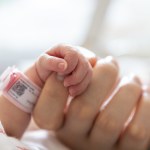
[73, 93]
[67, 84]
[62, 66]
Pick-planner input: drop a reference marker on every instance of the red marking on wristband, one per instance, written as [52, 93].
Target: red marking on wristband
[22, 148]
[2, 131]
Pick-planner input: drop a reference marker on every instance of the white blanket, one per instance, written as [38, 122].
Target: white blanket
[33, 140]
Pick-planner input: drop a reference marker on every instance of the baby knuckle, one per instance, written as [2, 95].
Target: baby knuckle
[72, 54]
[41, 60]
[86, 65]
[77, 78]
[62, 44]
[70, 49]
[52, 62]
[73, 51]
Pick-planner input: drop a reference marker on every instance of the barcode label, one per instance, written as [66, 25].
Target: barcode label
[19, 88]
[24, 92]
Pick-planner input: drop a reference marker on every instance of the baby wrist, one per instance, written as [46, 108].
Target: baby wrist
[33, 75]
[19, 89]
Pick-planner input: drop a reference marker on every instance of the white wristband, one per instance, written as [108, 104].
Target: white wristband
[18, 89]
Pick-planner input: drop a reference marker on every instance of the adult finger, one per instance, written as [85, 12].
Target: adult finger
[137, 133]
[111, 119]
[49, 110]
[83, 108]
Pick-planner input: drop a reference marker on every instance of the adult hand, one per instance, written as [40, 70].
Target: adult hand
[85, 124]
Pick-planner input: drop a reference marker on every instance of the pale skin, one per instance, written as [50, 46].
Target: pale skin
[69, 65]
[85, 125]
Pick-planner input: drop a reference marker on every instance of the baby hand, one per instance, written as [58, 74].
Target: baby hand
[67, 61]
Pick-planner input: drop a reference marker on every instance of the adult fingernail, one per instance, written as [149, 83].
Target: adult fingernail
[111, 59]
[146, 90]
[62, 66]
[61, 77]
[135, 78]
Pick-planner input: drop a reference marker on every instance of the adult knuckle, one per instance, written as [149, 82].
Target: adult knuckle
[38, 120]
[108, 123]
[131, 88]
[137, 132]
[109, 71]
[54, 124]
[81, 110]
[48, 124]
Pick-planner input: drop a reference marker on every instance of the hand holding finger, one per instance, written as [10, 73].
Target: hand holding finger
[68, 53]
[46, 64]
[80, 77]
[49, 110]
[78, 67]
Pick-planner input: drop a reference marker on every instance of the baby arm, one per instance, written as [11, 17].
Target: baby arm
[64, 59]
[67, 61]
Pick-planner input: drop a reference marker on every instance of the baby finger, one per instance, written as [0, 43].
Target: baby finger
[79, 73]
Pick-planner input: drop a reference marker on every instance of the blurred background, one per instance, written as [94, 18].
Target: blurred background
[107, 27]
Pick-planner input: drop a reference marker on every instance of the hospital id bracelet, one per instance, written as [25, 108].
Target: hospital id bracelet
[18, 89]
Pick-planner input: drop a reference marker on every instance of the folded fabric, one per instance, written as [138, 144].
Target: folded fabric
[9, 143]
